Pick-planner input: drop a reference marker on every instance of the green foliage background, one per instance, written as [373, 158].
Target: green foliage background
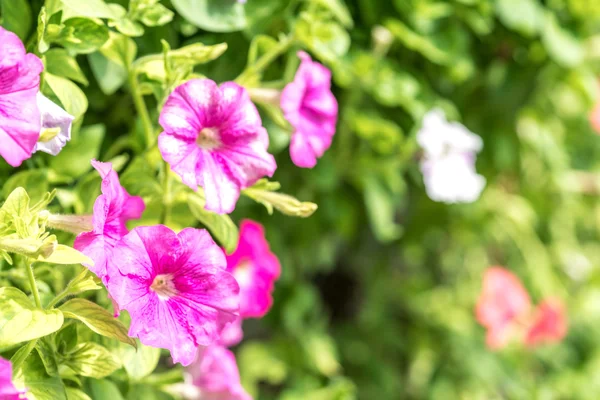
[377, 295]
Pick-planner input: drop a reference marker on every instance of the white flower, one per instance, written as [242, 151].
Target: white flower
[448, 163]
[438, 136]
[56, 126]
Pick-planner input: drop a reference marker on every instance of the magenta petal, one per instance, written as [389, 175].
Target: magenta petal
[216, 374]
[19, 84]
[220, 189]
[312, 110]
[232, 333]
[255, 268]
[8, 391]
[213, 137]
[175, 288]
[112, 209]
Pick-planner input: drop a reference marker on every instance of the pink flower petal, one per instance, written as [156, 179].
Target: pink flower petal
[19, 84]
[112, 209]
[8, 391]
[216, 374]
[312, 110]
[175, 287]
[255, 268]
[502, 301]
[549, 324]
[213, 137]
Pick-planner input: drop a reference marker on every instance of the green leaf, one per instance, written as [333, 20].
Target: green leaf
[88, 8]
[381, 209]
[82, 283]
[138, 363]
[16, 17]
[69, 94]
[185, 57]
[35, 182]
[76, 394]
[60, 63]
[91, 360]
[264, 192]
[20, 321]
[328, 40]
[156, 15]
[82, 35]
[111, 63]
[48, 355]
[97, 319]
[221, 226]
[214, 16]
[562, 45]
[66, 255]
[104, 390]
[339, 9]
[417, 42]
[40, 386]
[74, 159]
[524, 16]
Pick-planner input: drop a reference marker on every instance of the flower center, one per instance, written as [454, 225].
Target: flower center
[208, 138]
[164, 286]
[243, 273]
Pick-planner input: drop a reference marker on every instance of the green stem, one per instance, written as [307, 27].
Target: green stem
[264, 61]
[34, 288]
[166, 194]
[140, 106]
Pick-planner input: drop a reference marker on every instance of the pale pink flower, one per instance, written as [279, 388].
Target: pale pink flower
[312, 110]
[502, 302]
[175, 288]
[19, 85]
[549, 323]
[213, 137]
[255, 268]
[8, 391]
[53, 117]
[595, 118]
[216, 374]
[112, 209]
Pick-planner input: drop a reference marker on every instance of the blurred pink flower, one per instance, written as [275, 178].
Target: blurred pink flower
[549, 323]
[216, 374]
[311, 108]
[595, 118]
[503, 300]
[255, 268]
[19, 85]
[175, 287]
[232, 333]
[213, 137]
[112, 209]
[8, 391]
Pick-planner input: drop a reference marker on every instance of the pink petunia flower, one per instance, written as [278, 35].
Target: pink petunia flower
[216, 374]
[255, 268]
[112, 209]
[8, 391]
[175, 287]
[549, 323]
[213, 137]
[311, 108]
[19, 85]
[502, 302]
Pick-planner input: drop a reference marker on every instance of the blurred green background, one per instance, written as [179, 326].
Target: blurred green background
[378, 289]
